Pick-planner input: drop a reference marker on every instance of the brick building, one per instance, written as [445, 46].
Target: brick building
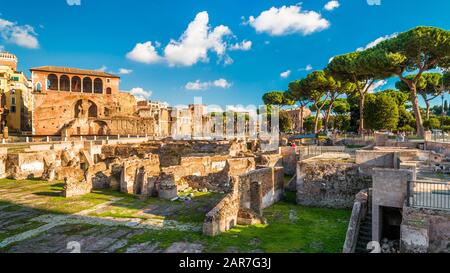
[83, 102]
[16, 100]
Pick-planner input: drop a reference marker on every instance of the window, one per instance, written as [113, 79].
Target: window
[98, 86]
[64, 83]
[52, 82]
[13, 101]
[87, 85]
[108, 91]
[76, 84]
[13, 109]
[38, 87]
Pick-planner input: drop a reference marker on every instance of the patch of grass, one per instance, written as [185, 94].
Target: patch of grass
[287, 179]
[313, 230]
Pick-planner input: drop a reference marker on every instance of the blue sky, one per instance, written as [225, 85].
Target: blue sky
[135, 36]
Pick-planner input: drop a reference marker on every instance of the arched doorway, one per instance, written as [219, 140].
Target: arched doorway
[93, 110]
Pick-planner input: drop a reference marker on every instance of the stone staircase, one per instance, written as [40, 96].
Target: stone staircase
[365, 234]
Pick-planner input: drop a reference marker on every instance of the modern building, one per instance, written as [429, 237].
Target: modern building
[16, 99]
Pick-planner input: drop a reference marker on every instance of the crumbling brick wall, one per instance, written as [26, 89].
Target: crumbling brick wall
[138, 174]
[425, 231]
[329, 182]
[250, 193]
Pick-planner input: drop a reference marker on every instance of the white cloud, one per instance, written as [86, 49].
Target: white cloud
[125, 71]
[332, 5]
[306, 68]
[144, 53]
[195, 43]
[102, 69]
[193, 46]
[222, 83]
[73, 2]
[141, 94]
[376, 85]
[377, 41]
[288, 20]
[23, 36]
[285, 74]
[244, 46]
[199, 85]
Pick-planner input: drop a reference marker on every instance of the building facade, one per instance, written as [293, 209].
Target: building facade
[298, 118]
[160, 112]
[71, 101]
[16, 99]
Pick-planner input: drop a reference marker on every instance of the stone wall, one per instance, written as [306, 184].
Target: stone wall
[225, 214]
[289, 160]
[139, 175]
[329, 182]
[28, 165]
[3, 158]
[249, 194]
[438, 147]
[261, 188]
[359, 212]
[74, 187]
[425, 231]
[389, 190]
[369, 159]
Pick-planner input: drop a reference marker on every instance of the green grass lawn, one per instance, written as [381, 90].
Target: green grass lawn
[312, 230]
[290, 228]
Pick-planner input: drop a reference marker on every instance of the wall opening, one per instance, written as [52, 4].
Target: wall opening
[391, 222]
[76, 84]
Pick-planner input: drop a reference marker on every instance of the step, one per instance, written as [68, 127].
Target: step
[365, 238]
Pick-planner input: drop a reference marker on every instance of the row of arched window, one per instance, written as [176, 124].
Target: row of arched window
[76, 84]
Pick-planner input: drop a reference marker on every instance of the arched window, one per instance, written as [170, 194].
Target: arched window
[52, 82]
[92, 113]
[76, 84]
[87, 85]
[108, 91]
[64, 83]
[38, 87]
[98, 86]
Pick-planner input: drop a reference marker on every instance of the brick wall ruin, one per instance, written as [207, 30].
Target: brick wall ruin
[331, 180]
[425, 231]
[250, 194]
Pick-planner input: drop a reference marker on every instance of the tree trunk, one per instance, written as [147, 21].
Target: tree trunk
[328, 114]
[302, 108]
[427, 103]
[316, 120]
[362, 97]
[416, 108]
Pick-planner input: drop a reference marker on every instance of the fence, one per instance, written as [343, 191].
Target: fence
[306, 152]
[429, 195]
[52, 139]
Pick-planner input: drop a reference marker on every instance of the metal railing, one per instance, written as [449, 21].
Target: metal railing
[58, 139]
[428, 195]
[310, 151]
